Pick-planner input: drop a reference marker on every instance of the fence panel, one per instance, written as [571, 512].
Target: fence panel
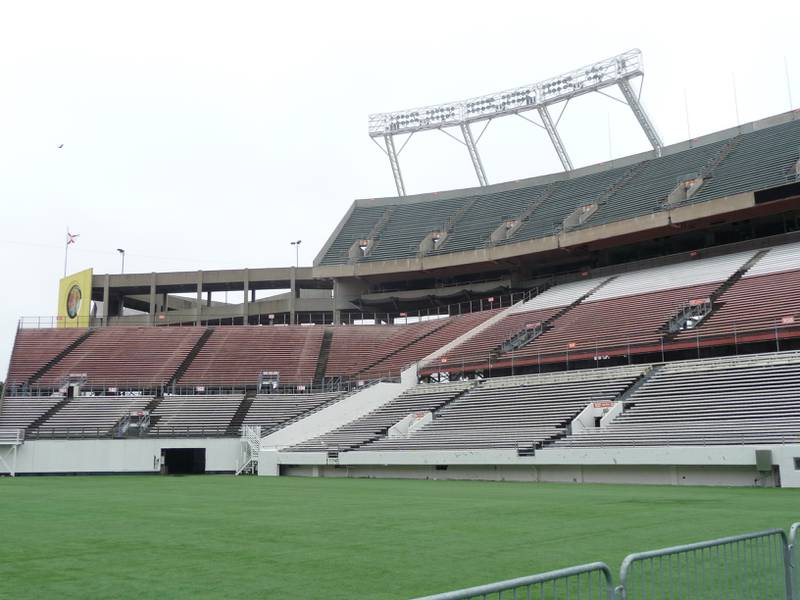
[794, 553]
[755, 565]
[584, 582]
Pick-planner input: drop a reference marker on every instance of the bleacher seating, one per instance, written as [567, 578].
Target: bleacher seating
[536, 310]
[195, 415]
[754, 305]
[22, 412]
[751, 161]
[238, 355]
[91, 415]
[271, 410]
[704, 403]
[127, 356]
[355, 347]
[513, 412]
[376, 423]
[34, 348]
[632, 309]
[448, 330]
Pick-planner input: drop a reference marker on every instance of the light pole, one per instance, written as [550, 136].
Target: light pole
[122, 253]
[296, 251]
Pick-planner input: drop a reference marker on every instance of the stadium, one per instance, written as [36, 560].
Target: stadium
[629, 322]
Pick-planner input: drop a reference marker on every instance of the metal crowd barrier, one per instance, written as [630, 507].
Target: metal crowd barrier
[794, 556]
[764, 565]
[755, 565]
[592, 582]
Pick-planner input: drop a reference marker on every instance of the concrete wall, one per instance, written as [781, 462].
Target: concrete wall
[118, 456]
[711, 465]
[711, 476]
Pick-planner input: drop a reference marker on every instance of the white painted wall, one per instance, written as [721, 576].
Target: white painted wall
[688, 465]
[140, 455]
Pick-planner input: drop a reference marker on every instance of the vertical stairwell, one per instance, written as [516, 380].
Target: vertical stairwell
[50, 412]
[244, 407]
[324, 353]
[179, 372]
[58, 357]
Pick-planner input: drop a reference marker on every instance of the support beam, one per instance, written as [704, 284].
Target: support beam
[473, 154]
[199, 303]
[246, 301]
[106, 299]
[395, 163]
[550, 127]
[152, 302]
[293, 294]
[641, 115]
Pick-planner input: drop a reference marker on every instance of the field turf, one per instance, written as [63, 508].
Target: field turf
[249, 537]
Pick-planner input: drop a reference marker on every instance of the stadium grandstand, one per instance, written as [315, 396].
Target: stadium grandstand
[631, 321]
[636, 321]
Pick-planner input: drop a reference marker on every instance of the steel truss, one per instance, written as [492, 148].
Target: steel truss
[616, 71]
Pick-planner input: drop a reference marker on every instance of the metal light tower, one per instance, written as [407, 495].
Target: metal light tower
[616, 71]
[122, 253]
[296, 252]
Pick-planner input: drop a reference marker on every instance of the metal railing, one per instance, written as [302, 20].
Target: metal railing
[794, 556]
[764, 565]
[592, 581]
[407, 317]
[770, 335]
[755, 565]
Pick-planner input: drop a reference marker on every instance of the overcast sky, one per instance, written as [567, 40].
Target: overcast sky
[209, 135]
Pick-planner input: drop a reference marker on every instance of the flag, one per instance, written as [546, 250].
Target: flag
[72, 237]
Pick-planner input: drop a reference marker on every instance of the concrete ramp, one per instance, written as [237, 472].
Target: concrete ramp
[340, 413]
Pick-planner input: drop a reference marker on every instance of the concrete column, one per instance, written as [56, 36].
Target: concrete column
[246, 296]
[293, 295]
[152, 297]
[106, 298]
[199, 302]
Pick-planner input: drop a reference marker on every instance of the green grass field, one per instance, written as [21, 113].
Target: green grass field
[226, 537]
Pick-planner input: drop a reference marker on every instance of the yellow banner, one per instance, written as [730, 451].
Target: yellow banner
[75, 299]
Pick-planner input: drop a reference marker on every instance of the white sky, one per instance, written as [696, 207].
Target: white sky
[209, 135]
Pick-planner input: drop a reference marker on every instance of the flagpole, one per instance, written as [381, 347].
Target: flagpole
[66, 250]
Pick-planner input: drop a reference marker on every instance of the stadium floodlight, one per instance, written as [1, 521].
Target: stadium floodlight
[122, 253]
[296, 252]
[614, 71]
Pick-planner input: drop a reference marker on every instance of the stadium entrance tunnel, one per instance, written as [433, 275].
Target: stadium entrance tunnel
[183, 461]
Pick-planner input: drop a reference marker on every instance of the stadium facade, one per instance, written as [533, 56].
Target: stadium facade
[633, 321]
